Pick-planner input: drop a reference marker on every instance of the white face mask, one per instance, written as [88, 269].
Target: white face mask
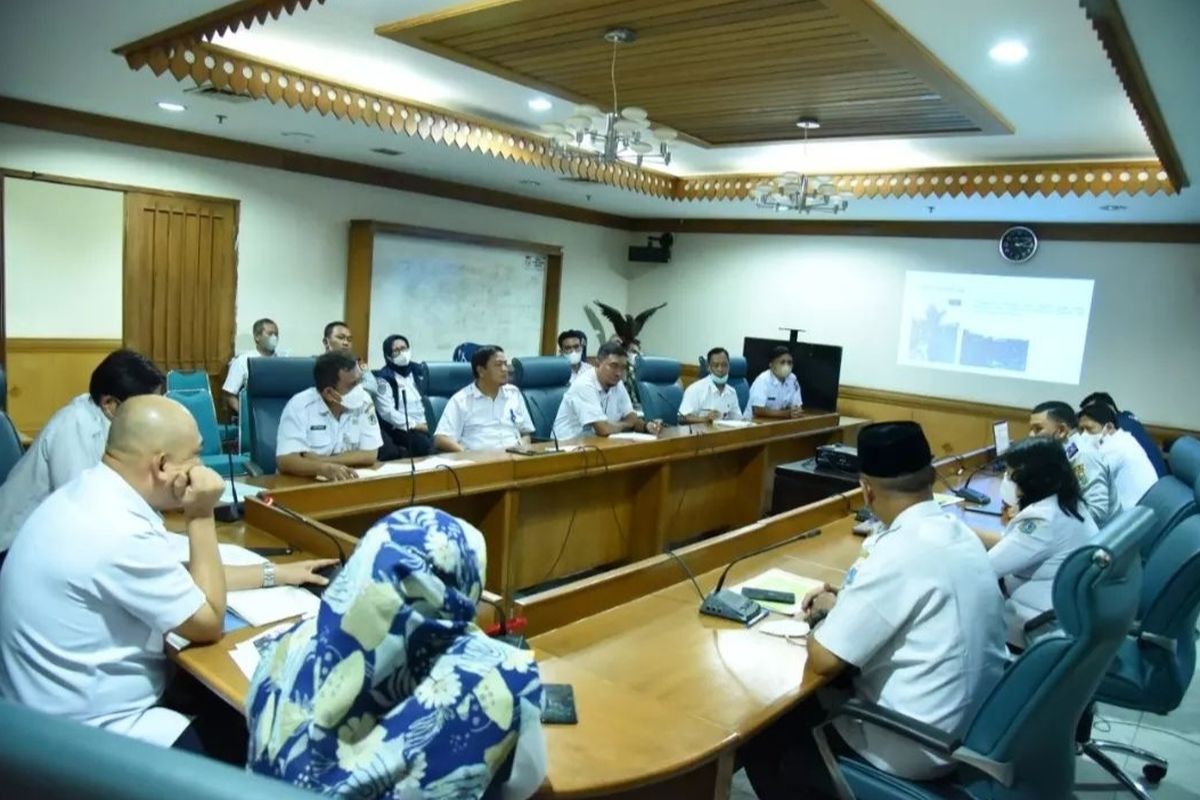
[271, 343]
[1008, 492]
[356, 398]
[782, 371]
[403, 358]
[575, 357]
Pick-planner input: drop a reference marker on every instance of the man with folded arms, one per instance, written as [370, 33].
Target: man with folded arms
[94, 582]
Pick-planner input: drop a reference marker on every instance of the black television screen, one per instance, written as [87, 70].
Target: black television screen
[818, 367]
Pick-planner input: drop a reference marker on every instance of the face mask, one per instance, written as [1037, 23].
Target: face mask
[356, 398]
[1095, 438]
[719, 380]
[1008, 492]
[271, 343]
[782, 371]
[403, 359]
[574, 358]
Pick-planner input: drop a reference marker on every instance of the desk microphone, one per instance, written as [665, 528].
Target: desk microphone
[330, 572]
[233, 511]
[412, 461]
[965, 491]
[728, 604]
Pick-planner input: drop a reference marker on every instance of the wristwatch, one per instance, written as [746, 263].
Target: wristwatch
[268, 578]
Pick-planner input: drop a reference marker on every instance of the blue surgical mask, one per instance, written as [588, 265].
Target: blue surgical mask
[719, 380]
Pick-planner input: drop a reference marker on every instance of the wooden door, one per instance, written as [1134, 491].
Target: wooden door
[180, 280]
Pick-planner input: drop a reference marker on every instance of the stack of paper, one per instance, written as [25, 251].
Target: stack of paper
[632, 436]
[779, 580]
[732, 423]
[264, 606]
[407, 468]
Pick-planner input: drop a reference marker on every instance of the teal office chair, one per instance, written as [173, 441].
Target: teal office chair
[659, 389]
[212, 454]
[56, 759]
[737, 378]
[270, 383]
[10, 446]
[244, 422]
[1020, 744]
[1154, 665]
[438, 382]
[1173, 498]
[3, 389]
[543, 380]
[182, 380]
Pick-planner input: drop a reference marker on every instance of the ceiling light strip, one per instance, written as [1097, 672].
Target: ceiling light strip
[226, 69]
[1029, 180]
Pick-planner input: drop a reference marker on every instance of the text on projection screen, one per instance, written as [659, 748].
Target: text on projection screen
[1031, 328]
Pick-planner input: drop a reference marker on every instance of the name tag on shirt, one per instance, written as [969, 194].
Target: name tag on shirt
[316, 427]
[1072, 449]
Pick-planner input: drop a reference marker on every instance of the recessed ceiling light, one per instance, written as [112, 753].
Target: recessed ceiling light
[540, 104]
[1009, 52]
[808, 123]
[174, 107]
[1112, 207]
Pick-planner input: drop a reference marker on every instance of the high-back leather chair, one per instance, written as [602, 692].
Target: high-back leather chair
[737, 378]
[10, 446]
[438, 382]
[271, 382]
[1020, 744]
[212, 454]
[3, 389]
[179, 380]
[543, 380]
[1173, 497]
[658, 388]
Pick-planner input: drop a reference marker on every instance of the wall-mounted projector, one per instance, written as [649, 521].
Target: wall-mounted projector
[656, 251]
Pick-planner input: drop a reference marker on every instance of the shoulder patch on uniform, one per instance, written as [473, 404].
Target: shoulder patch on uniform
[1027, 526]
[1072, 449]
[1080, 472]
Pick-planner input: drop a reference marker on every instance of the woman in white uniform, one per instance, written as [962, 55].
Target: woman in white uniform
[1047, 521]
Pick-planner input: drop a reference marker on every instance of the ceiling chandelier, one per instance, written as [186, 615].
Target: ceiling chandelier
[792, 191]
[616, 135]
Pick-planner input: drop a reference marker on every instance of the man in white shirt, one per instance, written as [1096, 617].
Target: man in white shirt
[487, 414]
[337, 336]
[598, 403]
[328, 430]
[94, 582]
[266, 344]
[775, 393]
[73, 439]
[1133, 472]
[1057, 420]
[919, 616]
[710, 398]
[571, 345]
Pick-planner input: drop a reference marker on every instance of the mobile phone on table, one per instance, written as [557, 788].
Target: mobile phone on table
[768, 595]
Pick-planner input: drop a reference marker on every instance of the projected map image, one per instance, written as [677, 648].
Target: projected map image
[1031, 328]
[931, 339]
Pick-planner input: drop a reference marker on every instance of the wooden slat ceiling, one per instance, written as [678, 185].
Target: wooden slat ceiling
[722, 72]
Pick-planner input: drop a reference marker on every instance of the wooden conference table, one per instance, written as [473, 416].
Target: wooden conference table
[665, 696]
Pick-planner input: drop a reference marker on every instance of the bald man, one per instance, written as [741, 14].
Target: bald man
[93, 582]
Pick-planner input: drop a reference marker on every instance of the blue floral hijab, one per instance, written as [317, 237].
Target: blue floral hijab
[392, 691]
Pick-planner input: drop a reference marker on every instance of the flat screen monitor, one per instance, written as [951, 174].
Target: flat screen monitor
[818, 367]
[1000, 437]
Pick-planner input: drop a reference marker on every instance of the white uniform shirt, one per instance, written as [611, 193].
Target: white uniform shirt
[586, 403]
[1035, 544]
[1132, 471]
[922, 617]
[308, 426]
[704, 395]
[584, 369]
[1095, 478]
[769, 392]
[72, 441]
[239, 371]
[478, 422]
[90, 587]
[386, 404]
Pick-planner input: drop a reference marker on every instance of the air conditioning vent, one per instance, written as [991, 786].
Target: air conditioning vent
[220, 95]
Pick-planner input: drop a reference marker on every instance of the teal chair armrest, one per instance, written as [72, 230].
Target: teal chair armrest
[924, 734]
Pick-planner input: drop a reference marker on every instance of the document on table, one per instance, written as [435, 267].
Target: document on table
[944, 499]
[405, 468]
[244, 490]
[779, 580]
[732, 423]
[248, 654]
[264, 606]
[633, 436]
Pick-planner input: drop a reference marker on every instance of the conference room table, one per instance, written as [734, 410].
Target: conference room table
[573, 508]
[665, 696]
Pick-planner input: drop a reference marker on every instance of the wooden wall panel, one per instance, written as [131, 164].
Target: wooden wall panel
[43, 374]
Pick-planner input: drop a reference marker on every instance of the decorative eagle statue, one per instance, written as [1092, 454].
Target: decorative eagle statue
[626, 326]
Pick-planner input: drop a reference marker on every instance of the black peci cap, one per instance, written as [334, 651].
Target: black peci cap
[892, 449]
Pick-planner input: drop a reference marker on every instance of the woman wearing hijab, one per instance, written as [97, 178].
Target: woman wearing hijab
[398, 392]
[1048, 523]
[392, 691]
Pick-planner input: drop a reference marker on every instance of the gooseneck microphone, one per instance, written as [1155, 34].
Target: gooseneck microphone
[232, 512]
[412, 461]
[728, 604]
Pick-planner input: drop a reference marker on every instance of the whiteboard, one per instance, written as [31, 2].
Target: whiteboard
[440, 294]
